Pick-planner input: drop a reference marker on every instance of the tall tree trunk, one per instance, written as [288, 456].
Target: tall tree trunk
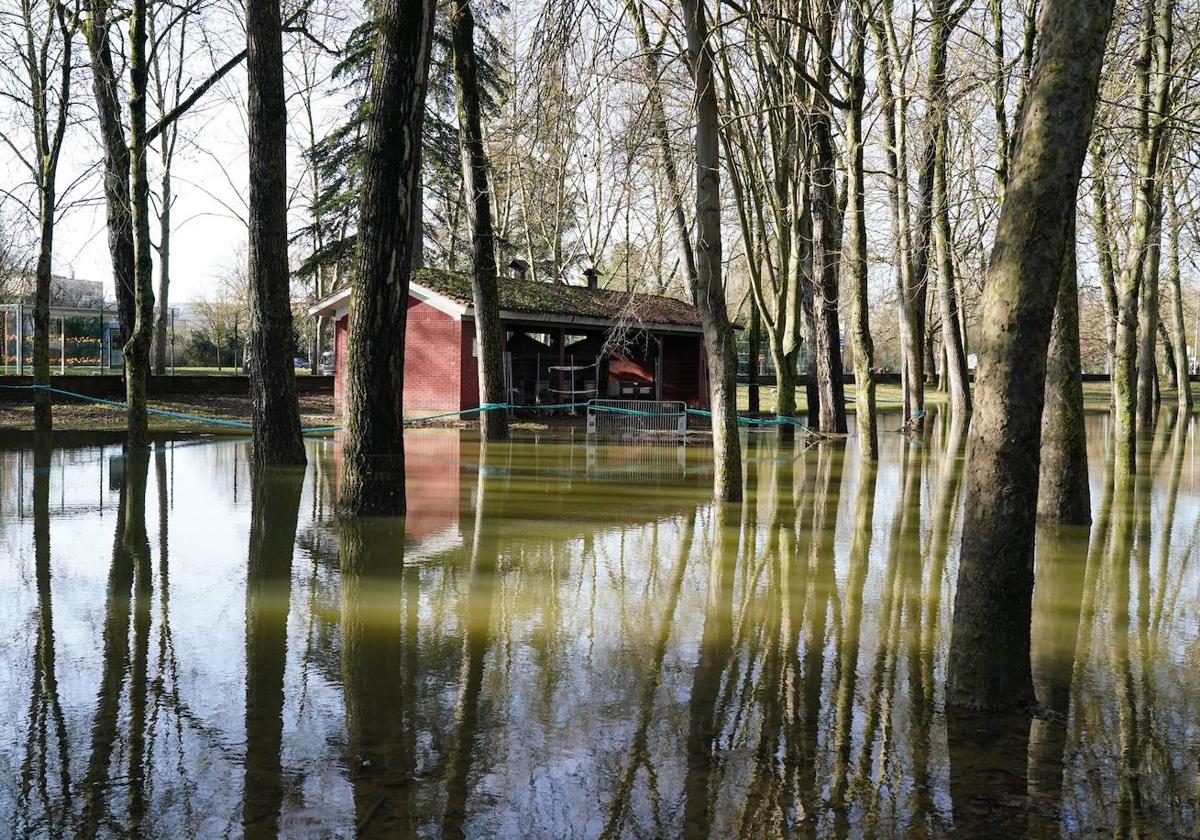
[276, 411]
[753, 343]
[163, 322]
[1178, 328]
[827, 235]
[1107, 270]
[137, 344]
[1063, 494]
[709, 293]
[954, 370]
[864, 347]
[373, 479]
[489, 331]
[48, 119]
[1148, 397]
[989, 664]
[42, 418]
[911, 330]
[117, 203]
[658, 123]
[1154, 48]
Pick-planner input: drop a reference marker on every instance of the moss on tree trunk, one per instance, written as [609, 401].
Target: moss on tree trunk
[989, 665]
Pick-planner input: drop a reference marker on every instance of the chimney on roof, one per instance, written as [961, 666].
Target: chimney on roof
[593, 279]
[518, 267]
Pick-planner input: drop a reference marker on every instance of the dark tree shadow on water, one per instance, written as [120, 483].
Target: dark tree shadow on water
[44, 795]
[127, 598]
[380, 750]
[275, 507]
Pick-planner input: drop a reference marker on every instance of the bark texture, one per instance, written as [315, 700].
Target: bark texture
[1154, 47]
[989, 665]
[1064, 497]
[709, 292]
[118, 207]
[856, 222]
[137, 344]
[373, 478]
[489, 331]
[944, 20]
[827, 240]
[276, 412]
[1178, 327]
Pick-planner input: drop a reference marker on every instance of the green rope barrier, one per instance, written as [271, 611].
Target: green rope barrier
[240, 425]
[779, 420]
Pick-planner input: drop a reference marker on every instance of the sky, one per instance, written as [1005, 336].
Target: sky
[210, 173]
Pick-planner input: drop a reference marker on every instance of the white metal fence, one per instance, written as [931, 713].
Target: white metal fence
[629, 419]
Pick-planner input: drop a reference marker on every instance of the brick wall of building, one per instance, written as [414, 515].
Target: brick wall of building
[469, 368]
[432, 359]
[341, 331]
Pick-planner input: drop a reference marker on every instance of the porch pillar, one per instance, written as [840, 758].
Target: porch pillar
[20, 340]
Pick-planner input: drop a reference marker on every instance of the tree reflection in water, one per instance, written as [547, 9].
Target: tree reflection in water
[556, 642]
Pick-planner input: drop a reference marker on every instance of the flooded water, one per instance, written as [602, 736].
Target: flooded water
[570, 640]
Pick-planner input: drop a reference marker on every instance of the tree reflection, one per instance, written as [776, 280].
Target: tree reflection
[851, 632]
[380, 756]
[274, 509]
[476, 617]
[128, 592]
[715, 646]
[46, 741]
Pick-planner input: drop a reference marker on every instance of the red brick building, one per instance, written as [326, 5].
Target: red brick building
[562, 344]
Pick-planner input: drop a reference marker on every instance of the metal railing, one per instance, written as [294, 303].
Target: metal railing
[629, 419]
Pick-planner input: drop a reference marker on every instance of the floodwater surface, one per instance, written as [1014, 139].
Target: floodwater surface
[568, 639]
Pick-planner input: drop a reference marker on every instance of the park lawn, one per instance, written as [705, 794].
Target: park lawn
[94, 370]
[316, 411]
[888, 397]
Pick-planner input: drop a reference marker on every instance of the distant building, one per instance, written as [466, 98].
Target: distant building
[65, 292]
[556, 343]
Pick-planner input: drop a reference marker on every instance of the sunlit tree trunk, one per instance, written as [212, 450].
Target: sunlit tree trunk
[910, 317]
[1063, 494]
[856, 222]
[709, 294]
[1178, 327]
[276, 412]
[1104, 253]
[162, 322]
[1149, 327]
[989, 666]
[944, 20]
[137, 344]
[1154, 49]
[373, 477]
[827, 236]
[489, 332]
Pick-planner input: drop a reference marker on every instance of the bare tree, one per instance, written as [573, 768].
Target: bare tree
[276, 412]
[709, 291]
[489, 331]
[40, 39]
[373, 480]
[989, 665]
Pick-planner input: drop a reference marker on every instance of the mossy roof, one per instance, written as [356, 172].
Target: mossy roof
[536, 298]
